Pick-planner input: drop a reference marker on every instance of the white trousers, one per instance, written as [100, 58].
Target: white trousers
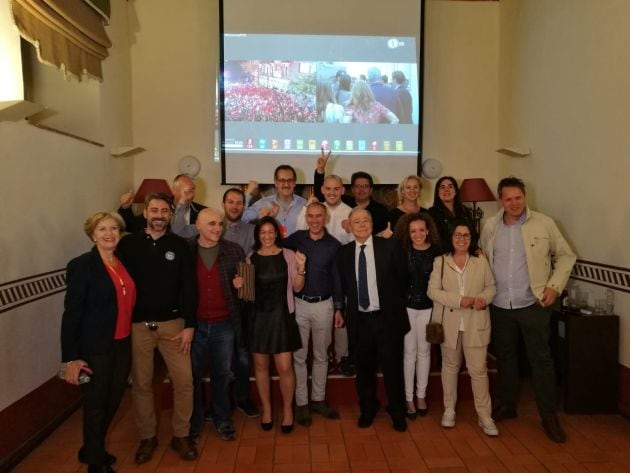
[417, 358]
[316, 320]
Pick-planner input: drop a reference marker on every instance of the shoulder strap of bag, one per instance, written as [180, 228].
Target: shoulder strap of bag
[442, 285]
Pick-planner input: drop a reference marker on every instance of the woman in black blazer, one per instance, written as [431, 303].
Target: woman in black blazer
[95, 333]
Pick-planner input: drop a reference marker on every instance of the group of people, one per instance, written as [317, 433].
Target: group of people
[257, 103]
[212, 289]
[367, 100]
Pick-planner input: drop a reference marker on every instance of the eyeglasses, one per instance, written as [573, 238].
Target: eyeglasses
[461, 236]
[285, 181]
[361, 186]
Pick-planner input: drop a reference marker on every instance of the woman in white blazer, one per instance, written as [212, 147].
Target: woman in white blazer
[461, 287]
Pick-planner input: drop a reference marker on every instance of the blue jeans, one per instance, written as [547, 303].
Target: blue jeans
[216, 342]
[242, 372]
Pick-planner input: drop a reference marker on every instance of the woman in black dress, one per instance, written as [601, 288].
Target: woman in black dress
[448, 208]
[273, 331]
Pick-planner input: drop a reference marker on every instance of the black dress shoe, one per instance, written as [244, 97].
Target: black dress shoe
[267, 426]
[399, 424]
[411, 415]
[109, 458]
[365, 420]
[423, 412]
[287, 429]
[145, 450]
[553, 429]
[184, 448]
[501, 412]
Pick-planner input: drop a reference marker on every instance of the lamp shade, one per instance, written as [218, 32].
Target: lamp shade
[149, 186]
[475, 190]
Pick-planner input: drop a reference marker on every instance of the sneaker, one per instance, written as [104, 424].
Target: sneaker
[226, 432]
[323, 409]
[489, 427]
[303, 416]
[248, 408]
[448, 418]
[347, 368]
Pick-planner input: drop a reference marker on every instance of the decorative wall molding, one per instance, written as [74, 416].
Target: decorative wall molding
[32, 288]
[604, 275]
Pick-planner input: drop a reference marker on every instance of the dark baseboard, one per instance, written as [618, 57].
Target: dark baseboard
[28, 421]
[624, 391]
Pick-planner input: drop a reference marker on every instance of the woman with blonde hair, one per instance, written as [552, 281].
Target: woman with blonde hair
[96, 334]
[365, 109]
[408, 199]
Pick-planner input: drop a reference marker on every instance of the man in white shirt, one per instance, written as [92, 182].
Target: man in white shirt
[373, 276]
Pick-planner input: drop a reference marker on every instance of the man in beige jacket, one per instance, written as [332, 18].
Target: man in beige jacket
[531, 262]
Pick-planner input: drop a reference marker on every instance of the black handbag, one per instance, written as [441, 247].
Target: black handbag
[435, 330]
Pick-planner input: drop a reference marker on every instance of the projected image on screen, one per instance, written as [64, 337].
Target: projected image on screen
[298, 105]
[294, 91]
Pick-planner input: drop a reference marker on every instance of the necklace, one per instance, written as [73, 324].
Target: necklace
[120, 279]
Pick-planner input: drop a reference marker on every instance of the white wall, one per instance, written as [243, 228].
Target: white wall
[564, 92]
[174, 62]
[49, 184]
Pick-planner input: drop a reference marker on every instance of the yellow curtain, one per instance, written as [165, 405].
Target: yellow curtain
[67, 33]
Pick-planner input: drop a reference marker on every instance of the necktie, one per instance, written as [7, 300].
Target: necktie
[364, 295]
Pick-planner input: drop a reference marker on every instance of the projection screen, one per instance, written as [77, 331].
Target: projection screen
[298, 76]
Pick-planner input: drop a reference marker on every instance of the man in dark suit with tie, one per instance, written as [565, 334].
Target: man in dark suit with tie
[373, 276]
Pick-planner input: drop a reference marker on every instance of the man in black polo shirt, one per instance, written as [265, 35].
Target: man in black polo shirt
[161, 265]
[315, 306]
[361, 186]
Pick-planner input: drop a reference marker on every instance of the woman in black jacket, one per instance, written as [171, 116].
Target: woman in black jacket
[95, 333]
[448, 208]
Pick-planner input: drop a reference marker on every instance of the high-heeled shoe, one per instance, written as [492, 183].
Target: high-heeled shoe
[287, 429]
[267, 426]
[422, 412]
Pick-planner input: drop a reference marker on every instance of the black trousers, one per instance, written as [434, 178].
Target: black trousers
[377, 342]
[533, 324]
[102, 396]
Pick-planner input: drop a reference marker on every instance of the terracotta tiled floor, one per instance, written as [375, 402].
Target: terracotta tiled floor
[596, 444]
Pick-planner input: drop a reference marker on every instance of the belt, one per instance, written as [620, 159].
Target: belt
[312, 299]
[153, 326]
[372, 312]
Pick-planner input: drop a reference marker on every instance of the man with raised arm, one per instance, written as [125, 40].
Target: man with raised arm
[186, 210]
[284, 205]
[319, 301]
[361, 186]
